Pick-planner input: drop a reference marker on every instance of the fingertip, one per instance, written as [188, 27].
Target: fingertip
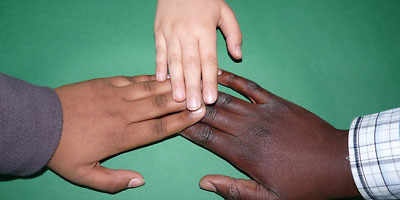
[235, 51]
[216, 179]
[220, 71]
[178, 94]
[161, 76]
[210, 182]
[193, 104]
[210, 97]
[208, 186]
[238, 51]
[136, 182]
[199, 112]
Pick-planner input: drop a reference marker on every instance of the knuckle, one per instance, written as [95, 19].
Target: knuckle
[267, 193]
[191, 60]
[252, 86]
[209, 79]
[233, 192]
[160, 51]
[232, 78]
[206, 135]
[160, 63]
[174, 59]
[225, 100]
[112, 186]
[132, 78]
[158, 127]
[211, 113]
[148, 86]
[119, 81]
[210, 60]
[160, 102]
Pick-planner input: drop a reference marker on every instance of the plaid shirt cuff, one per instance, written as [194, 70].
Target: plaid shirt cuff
[374, 152]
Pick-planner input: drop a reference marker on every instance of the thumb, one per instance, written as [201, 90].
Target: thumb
[230, 28]
[112, 180]
[231, 188]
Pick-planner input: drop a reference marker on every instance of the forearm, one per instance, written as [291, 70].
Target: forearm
[30, 126]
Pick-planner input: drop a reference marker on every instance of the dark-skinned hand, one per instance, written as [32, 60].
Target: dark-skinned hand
[288, 152]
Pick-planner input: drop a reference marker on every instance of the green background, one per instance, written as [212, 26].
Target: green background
[339, 59]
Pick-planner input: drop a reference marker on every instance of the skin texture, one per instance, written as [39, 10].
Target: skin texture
[288, 152]
[186, 46]
[104, 117]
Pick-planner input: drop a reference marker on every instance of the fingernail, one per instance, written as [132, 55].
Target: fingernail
[136, 182]
[193, 104]
[198, 111]
[178, 95]
[160, 77]
[238, 51]
[219, 72]
[210, 98]
[208, 186]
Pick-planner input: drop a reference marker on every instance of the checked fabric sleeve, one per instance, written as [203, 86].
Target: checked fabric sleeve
[374, 152]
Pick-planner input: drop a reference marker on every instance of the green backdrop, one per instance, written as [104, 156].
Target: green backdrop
[339, 59]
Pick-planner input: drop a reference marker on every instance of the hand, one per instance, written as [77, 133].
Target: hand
[104, 117]
[186, 42]
[289, 152]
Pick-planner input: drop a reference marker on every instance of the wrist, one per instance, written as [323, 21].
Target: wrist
[341, 182]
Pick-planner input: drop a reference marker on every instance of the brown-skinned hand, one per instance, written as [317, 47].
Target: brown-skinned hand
[103, 117]
[287, 151]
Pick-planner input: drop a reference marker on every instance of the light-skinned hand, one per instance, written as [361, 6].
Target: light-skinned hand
[186, 46]
[103, 117]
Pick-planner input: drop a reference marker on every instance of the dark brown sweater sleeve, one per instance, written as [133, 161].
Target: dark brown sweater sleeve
[30, 126]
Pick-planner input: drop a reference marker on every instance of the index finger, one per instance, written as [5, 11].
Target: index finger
[244, 86]
[211, 138]
[148, 131]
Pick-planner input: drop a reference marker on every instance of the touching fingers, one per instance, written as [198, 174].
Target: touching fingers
[161, 57]
[244, 86]
[236, 189]
[192, 73]
[144, 89]
[223, 120]
[209, 66]
[176, 70]
[142, 78]
[230, 28]
[149, 131]
[123, 81]
[111, 180]
[233, 104]
[213, 139]
[150, 107]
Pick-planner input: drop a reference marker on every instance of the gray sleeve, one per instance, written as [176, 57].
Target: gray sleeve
[30, 126]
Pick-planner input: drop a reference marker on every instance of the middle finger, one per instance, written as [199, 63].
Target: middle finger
[192, 73]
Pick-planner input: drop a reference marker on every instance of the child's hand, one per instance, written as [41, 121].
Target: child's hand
[185, 35]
